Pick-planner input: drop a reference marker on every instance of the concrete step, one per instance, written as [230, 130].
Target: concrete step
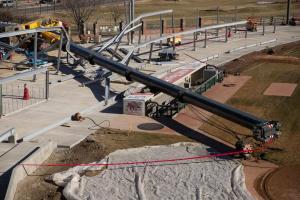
[5, 147]
[16, 154]
[74, 132]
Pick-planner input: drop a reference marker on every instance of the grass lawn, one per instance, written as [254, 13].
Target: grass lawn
[190, 9]
[250, 98]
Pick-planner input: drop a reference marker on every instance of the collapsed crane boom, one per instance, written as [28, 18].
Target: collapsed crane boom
[263, 130]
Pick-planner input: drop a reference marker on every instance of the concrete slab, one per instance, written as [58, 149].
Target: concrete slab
[16, 154]
[20, 172]
[5, 147]
[37, 117]
[74, 132]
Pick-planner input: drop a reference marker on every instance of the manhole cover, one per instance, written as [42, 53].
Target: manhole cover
[150, 126]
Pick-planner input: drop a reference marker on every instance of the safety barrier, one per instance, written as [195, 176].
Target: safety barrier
[209, 83]
[252, 45]
[8, 135]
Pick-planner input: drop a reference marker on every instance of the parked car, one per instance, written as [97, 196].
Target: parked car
[8, 3]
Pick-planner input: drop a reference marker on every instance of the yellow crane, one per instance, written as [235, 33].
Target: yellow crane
[48, 36]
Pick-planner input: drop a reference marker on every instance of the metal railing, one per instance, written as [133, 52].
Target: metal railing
[6, 135]
[209, 83]
[12, 91]
[12, 97]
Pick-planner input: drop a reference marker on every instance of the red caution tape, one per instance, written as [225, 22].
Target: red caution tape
[146, 162]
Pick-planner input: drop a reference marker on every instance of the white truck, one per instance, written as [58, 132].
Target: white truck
[7, 3]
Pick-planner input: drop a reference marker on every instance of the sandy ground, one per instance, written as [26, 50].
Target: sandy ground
[287, 179]
[195, 179]
[281, 89]
[254, 172]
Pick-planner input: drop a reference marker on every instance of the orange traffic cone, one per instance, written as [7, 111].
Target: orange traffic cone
[229, 33]
[26, 93]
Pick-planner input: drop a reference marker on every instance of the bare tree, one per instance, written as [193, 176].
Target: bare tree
[116, 12]
[6, 16]
[80, 10]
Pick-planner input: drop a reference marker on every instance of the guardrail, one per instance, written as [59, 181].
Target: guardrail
[218, 77]
[8, 135]
[252, 45]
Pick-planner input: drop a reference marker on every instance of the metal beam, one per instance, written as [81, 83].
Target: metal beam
[59, 52]
[107, 90]
[190, 32]
[133, 28]
[47, 80]
[288, 10]
[5, 135]
[215, 107]
[129, 25]
[259, 126]
[30, 31]
[35, 53]
[174, 35]
[1, 103]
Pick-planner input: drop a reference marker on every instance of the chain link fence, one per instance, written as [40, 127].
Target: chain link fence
[13, 94]
[19, 91]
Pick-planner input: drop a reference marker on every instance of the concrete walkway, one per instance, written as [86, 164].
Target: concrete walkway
[65, 99]
[283, 35]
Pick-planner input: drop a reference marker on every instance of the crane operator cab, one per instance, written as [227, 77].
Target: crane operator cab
[267, 132]
[264, 133]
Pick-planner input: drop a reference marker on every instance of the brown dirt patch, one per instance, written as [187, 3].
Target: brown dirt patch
[221, 92]
[94, 148]
[278, 59]
[254, 170]
[282, 183]
[281, 53]
[280, 89]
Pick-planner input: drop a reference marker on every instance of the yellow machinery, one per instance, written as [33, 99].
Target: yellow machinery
[170, 41]
[49, 36]
[251, 24]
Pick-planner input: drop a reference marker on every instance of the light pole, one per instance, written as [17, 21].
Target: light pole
[131, 17]
[288, 12]
[131, 10]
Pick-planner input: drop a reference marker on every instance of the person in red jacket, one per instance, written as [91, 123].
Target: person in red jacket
[26, 93]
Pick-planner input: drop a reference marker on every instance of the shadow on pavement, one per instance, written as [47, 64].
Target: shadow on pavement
[97, 90]
[195, 135]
